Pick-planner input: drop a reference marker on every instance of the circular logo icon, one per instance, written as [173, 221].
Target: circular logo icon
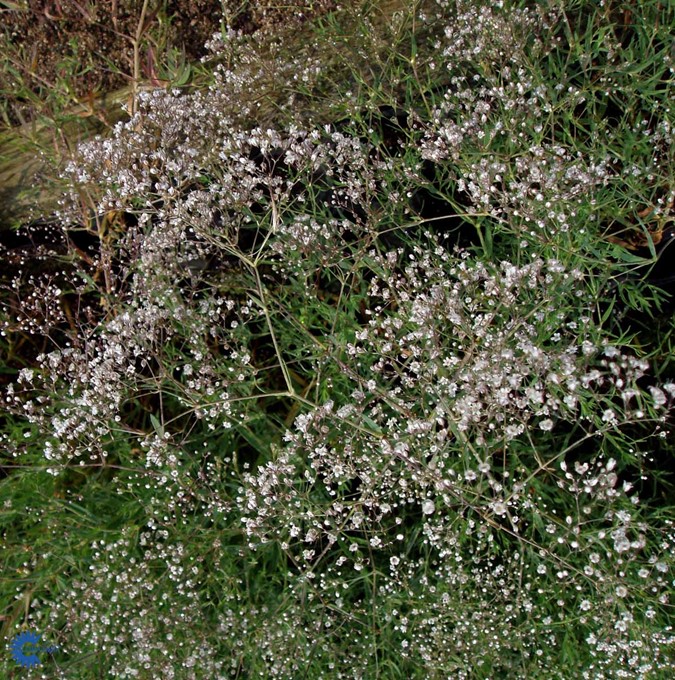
[24, 649]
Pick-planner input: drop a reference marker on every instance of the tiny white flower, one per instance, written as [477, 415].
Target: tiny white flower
[670, 388]
[658, 396]
[428, 507]
[499, 508]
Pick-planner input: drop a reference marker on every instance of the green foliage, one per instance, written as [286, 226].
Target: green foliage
[386, 397]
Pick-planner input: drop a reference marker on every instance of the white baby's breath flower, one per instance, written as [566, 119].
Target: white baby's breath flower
[428, 507]
[658, 396]
[499, 508]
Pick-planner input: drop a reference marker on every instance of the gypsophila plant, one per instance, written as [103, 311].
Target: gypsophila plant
[353, 397]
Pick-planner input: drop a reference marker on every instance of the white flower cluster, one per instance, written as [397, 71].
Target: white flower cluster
[487, 345]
